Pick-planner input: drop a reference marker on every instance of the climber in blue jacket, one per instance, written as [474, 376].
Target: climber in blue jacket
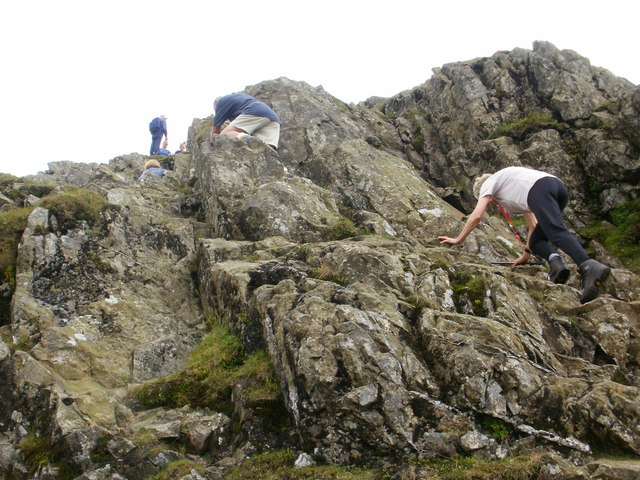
[248, 118]
[158, 129]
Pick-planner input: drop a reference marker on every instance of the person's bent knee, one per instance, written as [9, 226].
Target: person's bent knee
[231, 131]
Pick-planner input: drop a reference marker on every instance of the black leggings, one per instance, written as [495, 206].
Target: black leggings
[547, 199]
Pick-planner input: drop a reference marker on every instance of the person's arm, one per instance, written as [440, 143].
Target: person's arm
[472, 222]
[214, 131]
[532, 221]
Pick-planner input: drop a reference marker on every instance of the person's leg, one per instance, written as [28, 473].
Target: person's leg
[547, 199]
[232, 131]
[269, 133]
[155, 144]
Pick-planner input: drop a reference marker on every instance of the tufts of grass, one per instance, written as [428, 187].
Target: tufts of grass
[471, 468]
[343, 229]
[74, 206]
[324, 272]
[520, 129]
[280, 464]
[621, 236]
[467, 284]
[178, 469]
[12, 225]
[18, 189]
[215, 365]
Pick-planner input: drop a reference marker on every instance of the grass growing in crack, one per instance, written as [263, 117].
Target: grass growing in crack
[215, 365]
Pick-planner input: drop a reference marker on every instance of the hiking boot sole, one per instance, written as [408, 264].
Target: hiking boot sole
[591, 292]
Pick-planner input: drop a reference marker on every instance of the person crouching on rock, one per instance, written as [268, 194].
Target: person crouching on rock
[152, 167]
[541, 198]
[249, 118]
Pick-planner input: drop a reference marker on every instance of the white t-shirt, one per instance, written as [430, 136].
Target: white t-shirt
[510, 187]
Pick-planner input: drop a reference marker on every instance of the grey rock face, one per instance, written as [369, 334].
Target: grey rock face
[382, 339]
[447, 123]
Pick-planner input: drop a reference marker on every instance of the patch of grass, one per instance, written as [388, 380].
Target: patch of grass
[12, 225]
[497, 428]
[419, 302]
[343, 229]
[74, 206]
[280, 464]
[38, 452]
[520, 129]
[466, 284]
[470, 468]
[19, 189]
[323, 272]
[178, 469]
[418, 139]
[621, 236]
[215, 365]
[573, 149]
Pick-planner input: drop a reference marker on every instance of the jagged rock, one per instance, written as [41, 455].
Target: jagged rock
[384, 342]
[454, 113]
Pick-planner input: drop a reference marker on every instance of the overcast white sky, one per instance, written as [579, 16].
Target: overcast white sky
[81, 80]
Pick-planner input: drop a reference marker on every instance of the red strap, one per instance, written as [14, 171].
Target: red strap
[511, 227]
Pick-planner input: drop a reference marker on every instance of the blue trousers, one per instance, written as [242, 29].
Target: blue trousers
[547, 199]
[156, 138]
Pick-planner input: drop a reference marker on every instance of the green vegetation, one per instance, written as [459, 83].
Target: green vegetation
[178, 469]
[470, 468]
[215, 365]
[497, 428]
[467, 284]
[418, 139]
[280, 464]
[343, 229]
[419, 302]
[573, 149]
[18, 189]
[38, 453]
[12, 224]
[73, 206]
[621, 236]
[519, 129]
[323, 272]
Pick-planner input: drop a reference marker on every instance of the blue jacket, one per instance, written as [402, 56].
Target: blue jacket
[230, 106]
[158, 172]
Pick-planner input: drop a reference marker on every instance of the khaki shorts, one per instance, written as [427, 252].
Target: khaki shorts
[266, 130]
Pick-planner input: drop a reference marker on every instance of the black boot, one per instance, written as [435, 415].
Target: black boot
[558, 270]
[594, 274]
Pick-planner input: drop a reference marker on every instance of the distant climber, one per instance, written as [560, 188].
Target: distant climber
[184, 148]
[164, 151]
[158, 129]
[152, 167]
[541, 198]
[248, 118]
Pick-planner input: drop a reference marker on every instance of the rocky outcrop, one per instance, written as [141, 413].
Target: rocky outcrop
[446, 124]
[385, 344]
